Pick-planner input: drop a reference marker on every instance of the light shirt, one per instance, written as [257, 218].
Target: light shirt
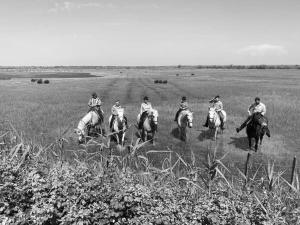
[218, 105]
[145, 107]
[183, 105]
[116, 109]
[261, 108]
[94, 102]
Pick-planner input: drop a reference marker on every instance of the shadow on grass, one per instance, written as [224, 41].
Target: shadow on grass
[205, 135]
[175, 133]
[240, 143]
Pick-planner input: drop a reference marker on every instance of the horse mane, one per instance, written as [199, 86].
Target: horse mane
[258, 118]
[99, 113]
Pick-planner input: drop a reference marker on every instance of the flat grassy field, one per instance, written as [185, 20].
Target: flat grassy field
[42, 112]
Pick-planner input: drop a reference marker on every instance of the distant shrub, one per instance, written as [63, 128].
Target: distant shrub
[39, 81]
[177, 74]
[160, 81]
[165, 81]
[46, 81]
[192, 74]
[33, 80]
[156, 81]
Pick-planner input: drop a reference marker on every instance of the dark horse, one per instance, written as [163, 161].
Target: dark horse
[257, 128]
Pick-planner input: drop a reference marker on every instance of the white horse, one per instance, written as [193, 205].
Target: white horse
[119, 126]
[149, 125]
[184, 120]
[91, 120]
[214, 121]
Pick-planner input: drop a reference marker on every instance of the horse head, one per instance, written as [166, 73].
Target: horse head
[80, 134]
[190, 118]
[153, 116]
[120, 119]
[212, 114]
[265, 130]
[260, 124]
[264, 127]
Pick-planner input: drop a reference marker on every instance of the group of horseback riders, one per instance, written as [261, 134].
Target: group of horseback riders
[146, 107]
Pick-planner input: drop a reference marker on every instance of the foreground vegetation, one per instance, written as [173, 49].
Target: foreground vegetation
[99, 184]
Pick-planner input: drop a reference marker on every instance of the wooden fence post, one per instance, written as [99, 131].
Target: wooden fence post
[293, 170]
[246, 166]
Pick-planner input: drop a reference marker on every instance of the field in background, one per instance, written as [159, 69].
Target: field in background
[42, 112]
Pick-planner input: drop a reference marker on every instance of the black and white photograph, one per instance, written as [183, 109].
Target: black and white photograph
[149, 112]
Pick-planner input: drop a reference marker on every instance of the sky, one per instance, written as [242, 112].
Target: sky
[149, 32]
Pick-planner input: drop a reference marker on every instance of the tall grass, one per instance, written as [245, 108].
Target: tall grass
[46, 185]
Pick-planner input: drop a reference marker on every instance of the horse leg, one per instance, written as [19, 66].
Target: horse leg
[249, 141]
[256, 143]
[216, 133]
[261, 138]
[183, 134]
[153, 140]
[143, 135]
[117, 138]
[123, 138]
[108, 141]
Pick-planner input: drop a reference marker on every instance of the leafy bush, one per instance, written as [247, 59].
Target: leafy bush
[46, 81]
[129, 190]
[40, 81]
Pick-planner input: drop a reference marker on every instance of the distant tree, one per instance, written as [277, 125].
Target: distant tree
[46, 81]
[39, 81]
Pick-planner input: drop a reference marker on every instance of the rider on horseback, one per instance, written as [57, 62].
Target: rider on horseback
[94, 101]
[146, 108]
[256, 107]
[218, 105]
[183, 106]
[115, 112]
[95, 105]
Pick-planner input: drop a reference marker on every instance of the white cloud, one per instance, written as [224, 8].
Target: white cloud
[68, 6]
[263, 50]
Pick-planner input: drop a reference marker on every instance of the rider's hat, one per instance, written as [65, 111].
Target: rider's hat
[217, 96]
[94, 95]
[183, 98]
[257, 99]
[146, 98]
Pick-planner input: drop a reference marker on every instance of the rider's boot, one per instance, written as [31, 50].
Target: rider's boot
[176, 116]
[222, 125]
[206, 123]
[111, 122]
